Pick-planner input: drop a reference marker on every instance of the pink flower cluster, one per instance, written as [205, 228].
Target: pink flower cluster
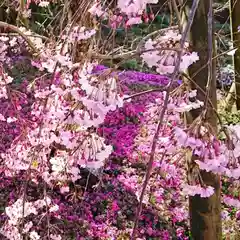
[131, 12]
[160, 53]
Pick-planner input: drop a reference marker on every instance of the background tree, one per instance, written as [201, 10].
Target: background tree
[205, 213]
[235, 22]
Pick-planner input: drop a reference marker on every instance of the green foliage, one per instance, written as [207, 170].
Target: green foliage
[222, 27]
[131, 65]
[42, 18]
[229, 118]
[160, 21]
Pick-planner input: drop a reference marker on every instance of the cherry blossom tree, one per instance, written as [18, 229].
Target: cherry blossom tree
[71, 98]
[205, 213]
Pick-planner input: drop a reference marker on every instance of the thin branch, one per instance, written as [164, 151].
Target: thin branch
[177, 12]
[27, 35]
[123, 56]
[23, 35]
[215, 57]
[145, 92]
[164, 108]
[210, 54]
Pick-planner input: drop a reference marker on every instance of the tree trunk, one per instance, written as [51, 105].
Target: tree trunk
[205, 213]
[235, 20]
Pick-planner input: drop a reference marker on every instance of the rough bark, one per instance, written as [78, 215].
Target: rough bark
[205, 213]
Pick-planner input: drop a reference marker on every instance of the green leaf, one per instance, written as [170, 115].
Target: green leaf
[152, 200]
